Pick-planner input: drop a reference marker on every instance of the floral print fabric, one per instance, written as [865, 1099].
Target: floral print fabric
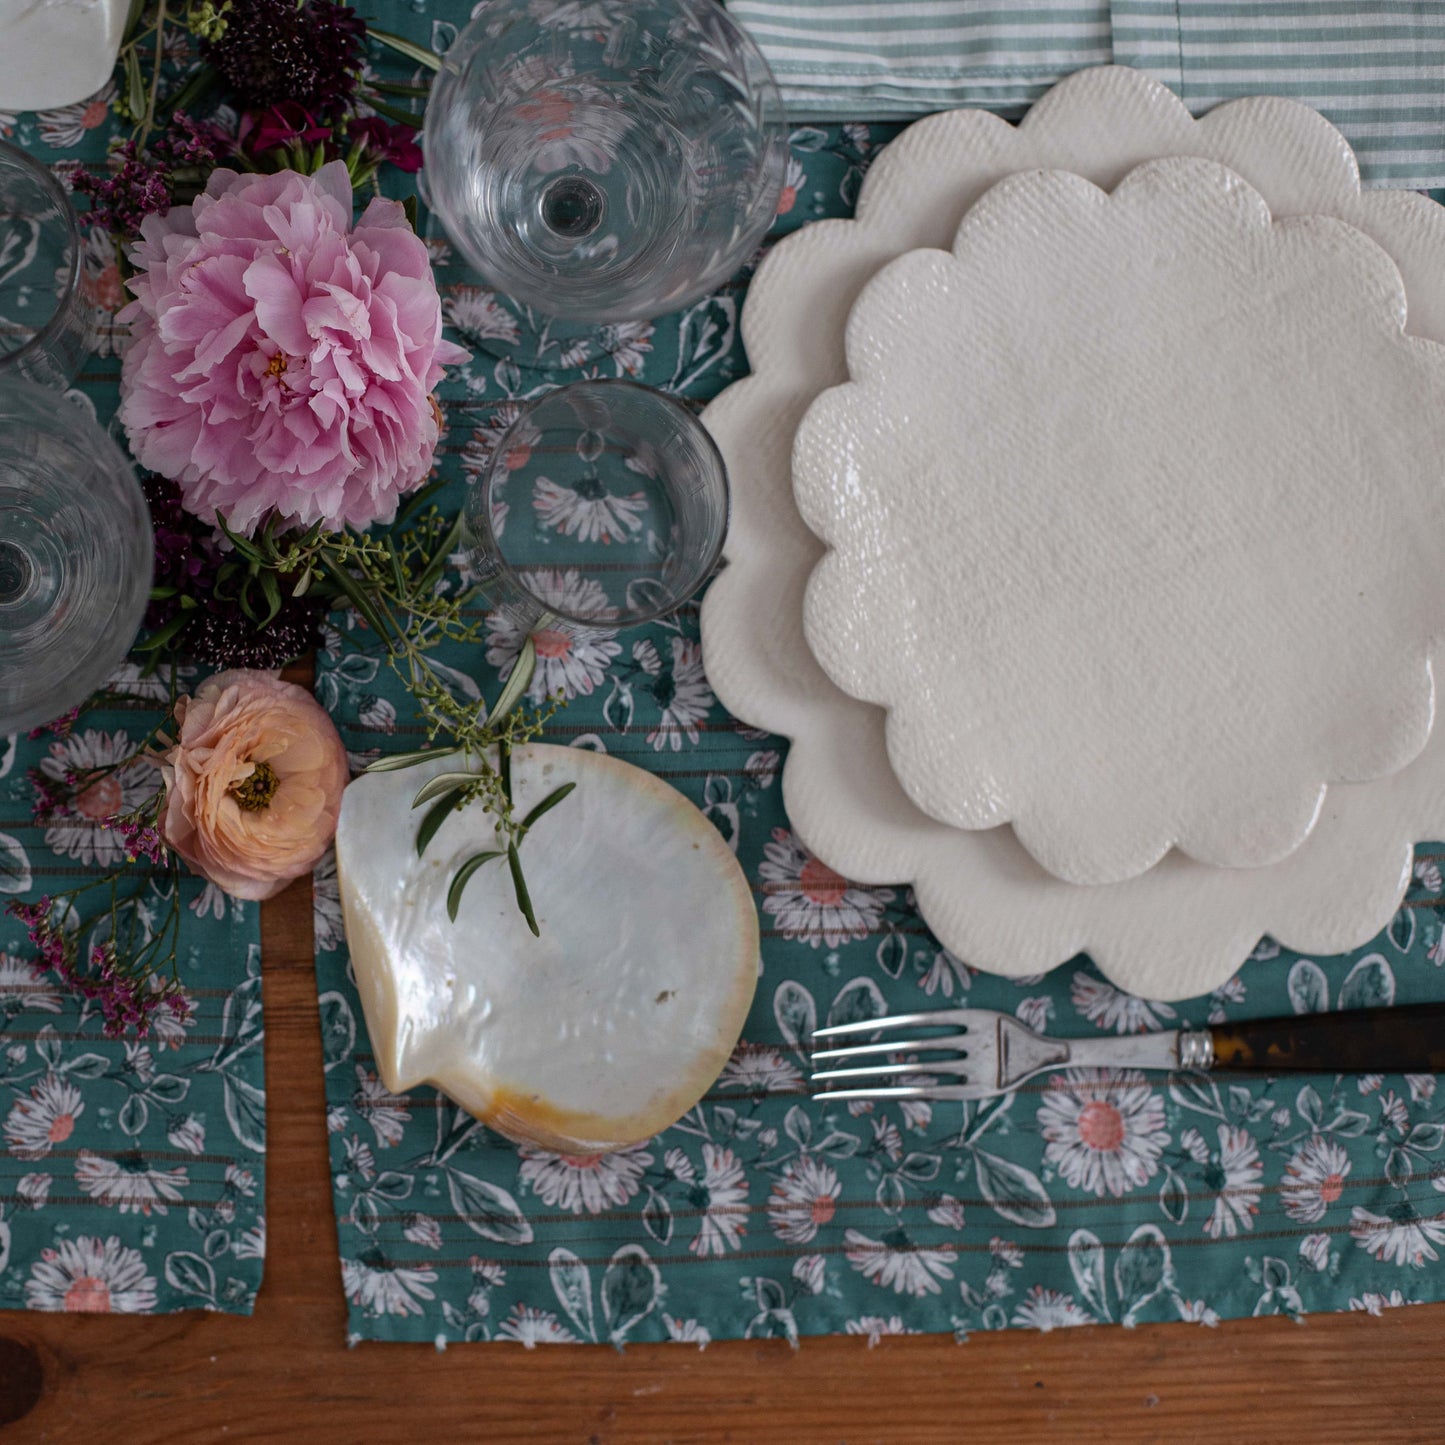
[132, 1173]
[1087, 1197]
[132, 1176]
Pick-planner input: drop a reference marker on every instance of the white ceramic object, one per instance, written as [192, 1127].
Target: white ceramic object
[57, 52]
[1182, 928]
[606, 1028]
[1092, 495]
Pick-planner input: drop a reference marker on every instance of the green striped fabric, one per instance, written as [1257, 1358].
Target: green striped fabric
[1376, 68]
[887, 59]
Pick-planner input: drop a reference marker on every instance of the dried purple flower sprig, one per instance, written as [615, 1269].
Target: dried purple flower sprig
[122, 989]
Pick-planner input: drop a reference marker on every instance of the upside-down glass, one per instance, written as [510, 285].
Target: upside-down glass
[604, 160]
[43, 332]
[75, 555]
[604, 505]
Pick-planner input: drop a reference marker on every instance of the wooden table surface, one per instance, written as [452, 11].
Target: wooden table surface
[286, 1373]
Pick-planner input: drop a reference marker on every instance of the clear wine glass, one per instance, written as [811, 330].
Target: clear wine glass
[604, 505]
[602, 161]
[75, 555]
[43, 333]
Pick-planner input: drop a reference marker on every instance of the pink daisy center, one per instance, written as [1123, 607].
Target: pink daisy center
[101, 799]
[1332, 1186]
[88, 1296]
[1101, 1126]
[551, 644]
[819, 883]
[61, 1128]
[821, 1209]
[581, 1161]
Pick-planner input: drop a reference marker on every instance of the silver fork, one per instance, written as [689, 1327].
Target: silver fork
[987, 1053]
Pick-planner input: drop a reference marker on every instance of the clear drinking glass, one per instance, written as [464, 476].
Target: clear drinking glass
[604, 161]
[605, 505]
[43, 331]
[75, 555]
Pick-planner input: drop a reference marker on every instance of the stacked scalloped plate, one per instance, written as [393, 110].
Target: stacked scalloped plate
[1086, 496]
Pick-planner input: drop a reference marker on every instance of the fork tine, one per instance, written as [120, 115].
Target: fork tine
[954, 1068]
[895, 1021]
[900, 1091]
[954, 1042]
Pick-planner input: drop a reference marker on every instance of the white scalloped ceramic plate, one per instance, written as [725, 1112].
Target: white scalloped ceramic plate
[1090, 496]
[1182, 928]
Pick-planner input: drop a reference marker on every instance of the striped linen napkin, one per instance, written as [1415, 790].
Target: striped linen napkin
[1376, 68]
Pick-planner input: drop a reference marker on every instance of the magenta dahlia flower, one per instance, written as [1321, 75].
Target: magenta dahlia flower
[283, 361]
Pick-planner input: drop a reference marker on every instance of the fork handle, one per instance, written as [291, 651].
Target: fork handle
[1365, 1041]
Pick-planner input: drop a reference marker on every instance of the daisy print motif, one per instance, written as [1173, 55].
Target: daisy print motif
[37, 1124]
[1103, 1131]
[588, 511]
[65, 127]
[572, 662]
[723, 1194]
[26, 985]
[103, 293]
[129, 1182]
[479, 316]
[804, 1199]
[808, 901]
[477, 452]
[1233, 1175]
[681, 690]
[1111, 1008]
[1401, 1236]
[584, 1184]
[76, 828]
[93, 1276]
[1314, 1179]
[895, 1262]
[1049, 1309]
[378, 1287]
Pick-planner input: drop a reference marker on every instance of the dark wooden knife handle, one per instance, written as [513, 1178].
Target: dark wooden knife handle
[1365, 1041]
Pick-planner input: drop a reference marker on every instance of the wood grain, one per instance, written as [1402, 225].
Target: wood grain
[286, 1373]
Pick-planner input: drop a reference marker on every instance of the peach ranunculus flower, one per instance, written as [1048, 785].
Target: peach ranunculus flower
[253, 783]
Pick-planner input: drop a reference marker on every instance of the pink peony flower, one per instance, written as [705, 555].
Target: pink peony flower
[253, 783]
[282, 360]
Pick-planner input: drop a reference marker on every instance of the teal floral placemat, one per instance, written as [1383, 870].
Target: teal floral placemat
[1090, 1198]
[131, 1174]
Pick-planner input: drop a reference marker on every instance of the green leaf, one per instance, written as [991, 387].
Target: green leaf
[442, 783]
[338, 1030]
[271, 590]
[631, 1289]
[519, 884]
[402, 117]
[1144, 1268]
[405, 47]
[247, 548]
[572, 1284]
[1369, 984]
[168, 1088]
[859, 999]
[518, 681]
[441, 810]
[1309, 990]
[133, 1115]
[246, 1112]
[1014, 1192]
[15, 874]
[463, 877]
[409, 92]
[190, 1274]
[395, 762]
[487, 1209]
[416, 501]
[408, 209]
[165, 633]
[135, 90]
[351, 589]
[796, 1015]
[546, 805]
[193, 89]
[1086, 1262]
